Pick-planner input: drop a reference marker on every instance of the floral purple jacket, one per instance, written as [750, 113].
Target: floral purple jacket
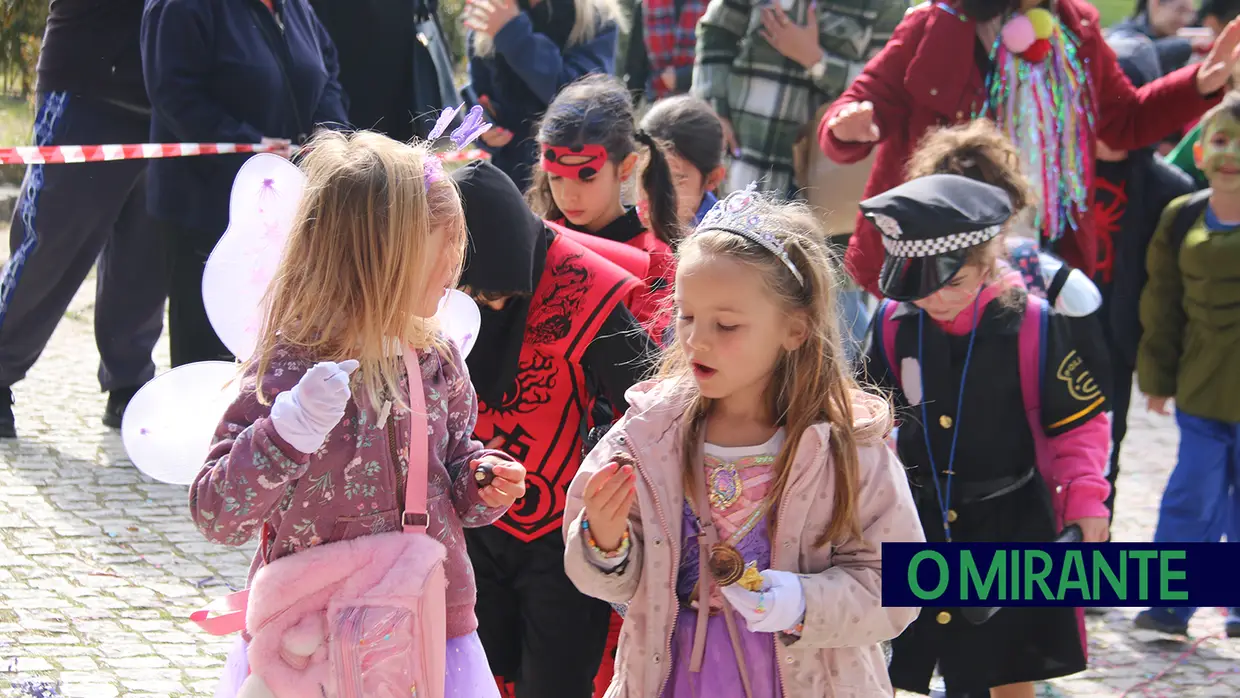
[349, 487]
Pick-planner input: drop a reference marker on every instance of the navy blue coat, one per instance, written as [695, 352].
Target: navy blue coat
[529, 67]
[228, 71]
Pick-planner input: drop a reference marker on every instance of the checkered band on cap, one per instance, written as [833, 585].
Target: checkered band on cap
[938, 246]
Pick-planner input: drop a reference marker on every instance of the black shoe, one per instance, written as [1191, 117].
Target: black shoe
[1160, 621]
[118, 400]
[8, 425]
[1232, 624]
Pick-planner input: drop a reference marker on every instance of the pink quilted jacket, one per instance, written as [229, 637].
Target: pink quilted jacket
[839, 653]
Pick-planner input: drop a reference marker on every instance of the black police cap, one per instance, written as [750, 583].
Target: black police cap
[928, 225]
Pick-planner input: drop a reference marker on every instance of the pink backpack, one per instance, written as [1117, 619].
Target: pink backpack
[362, 618]
[1032, 362]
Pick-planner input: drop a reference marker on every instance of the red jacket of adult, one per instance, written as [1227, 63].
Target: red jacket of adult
[927, 76]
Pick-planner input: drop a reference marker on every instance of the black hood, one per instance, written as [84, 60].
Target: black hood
[507, 241]
[505, 255]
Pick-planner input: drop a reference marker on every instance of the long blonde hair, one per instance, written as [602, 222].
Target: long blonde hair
[589, 17]
[812, 384]
[359, 259]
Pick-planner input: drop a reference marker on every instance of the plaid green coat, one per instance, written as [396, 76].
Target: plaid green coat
[769, 98]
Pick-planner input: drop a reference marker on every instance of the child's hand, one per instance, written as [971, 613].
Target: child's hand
[609, 496]
[1095, 529]
[305, 415]
[1158, 405]
[775, 609]
[854, 123]
[508, 484]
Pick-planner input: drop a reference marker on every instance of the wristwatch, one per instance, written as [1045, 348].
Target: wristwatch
[818, 71]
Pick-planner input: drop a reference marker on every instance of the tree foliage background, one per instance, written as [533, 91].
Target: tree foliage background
[21, 31]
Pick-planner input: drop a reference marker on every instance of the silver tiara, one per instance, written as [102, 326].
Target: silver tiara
[738, 214]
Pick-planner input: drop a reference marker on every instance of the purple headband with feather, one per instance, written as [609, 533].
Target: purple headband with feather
[472, 126]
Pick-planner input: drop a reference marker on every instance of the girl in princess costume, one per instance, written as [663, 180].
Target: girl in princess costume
[739, 507]
[1003, 427]
[316, 447]
[1038, 68]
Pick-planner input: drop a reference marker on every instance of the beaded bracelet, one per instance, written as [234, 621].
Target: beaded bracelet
[620, 551]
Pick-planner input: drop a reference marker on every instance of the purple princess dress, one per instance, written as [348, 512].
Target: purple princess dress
[740, 480]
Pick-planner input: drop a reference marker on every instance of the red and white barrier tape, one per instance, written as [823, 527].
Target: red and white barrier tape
[56, 154]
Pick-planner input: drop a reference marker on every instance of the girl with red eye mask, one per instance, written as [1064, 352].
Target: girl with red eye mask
[588, 148]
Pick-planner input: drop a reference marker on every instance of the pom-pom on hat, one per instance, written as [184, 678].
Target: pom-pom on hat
[928, 226]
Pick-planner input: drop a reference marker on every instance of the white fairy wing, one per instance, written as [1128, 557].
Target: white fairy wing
[263, 204]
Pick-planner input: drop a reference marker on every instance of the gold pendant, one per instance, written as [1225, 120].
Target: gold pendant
[726, 564]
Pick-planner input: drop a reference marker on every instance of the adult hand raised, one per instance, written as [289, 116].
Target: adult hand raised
[1216, 68]
[854, 123]
[489, 16]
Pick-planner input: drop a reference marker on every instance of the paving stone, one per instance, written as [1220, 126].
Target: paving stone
[146, 662]
[90, 690]
[83, 664]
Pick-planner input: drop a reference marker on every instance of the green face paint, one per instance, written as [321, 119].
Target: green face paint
[1220, 153]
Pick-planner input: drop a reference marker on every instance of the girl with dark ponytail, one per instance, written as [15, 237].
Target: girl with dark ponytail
[588, 148]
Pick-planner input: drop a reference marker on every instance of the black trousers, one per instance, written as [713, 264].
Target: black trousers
[190, 336]
[68, 217]
[1121, 402]
[1120, 393]
[539, 632]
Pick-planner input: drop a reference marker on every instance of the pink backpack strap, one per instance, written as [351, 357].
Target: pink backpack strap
[223, 616]
[414, 519]
[885, 336]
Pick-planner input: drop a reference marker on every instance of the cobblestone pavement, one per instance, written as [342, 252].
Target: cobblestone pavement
[100, 566]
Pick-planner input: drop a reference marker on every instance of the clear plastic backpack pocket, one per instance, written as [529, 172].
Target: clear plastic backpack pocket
[374, 652]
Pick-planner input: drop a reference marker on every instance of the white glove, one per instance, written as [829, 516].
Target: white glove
[305, 415]
[775, 609]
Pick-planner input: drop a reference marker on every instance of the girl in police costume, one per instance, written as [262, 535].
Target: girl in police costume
[953, 345]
